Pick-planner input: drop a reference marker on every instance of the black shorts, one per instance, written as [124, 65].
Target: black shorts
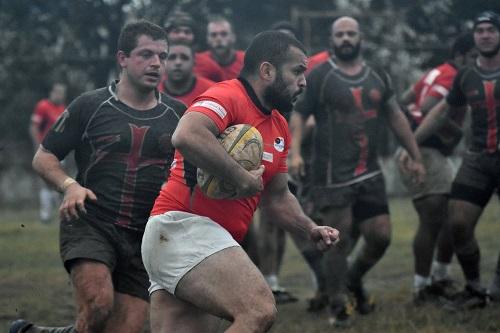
[477, 178]
[117, 247]
[367, 198]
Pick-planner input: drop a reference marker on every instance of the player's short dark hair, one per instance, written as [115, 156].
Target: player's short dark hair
[462, 44]
[284, 25]
[131, 32]
[269, 46]
[219, 18]
[179, 19]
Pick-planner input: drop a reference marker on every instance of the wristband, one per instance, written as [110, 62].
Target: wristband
[66, 183]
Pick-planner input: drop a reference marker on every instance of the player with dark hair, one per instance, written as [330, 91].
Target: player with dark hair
[44, 116]
[349, 101]
[121, 138]
[180, 81]
[220, 39]
[479, 174]
[198, 272]
[430, 198]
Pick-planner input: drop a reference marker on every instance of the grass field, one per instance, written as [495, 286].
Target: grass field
[34, 285]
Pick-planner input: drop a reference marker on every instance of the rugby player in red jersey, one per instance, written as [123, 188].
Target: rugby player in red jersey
[198, 272]
[180, 81]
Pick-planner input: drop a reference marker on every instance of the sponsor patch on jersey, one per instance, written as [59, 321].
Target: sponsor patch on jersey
[268, 157]
[279, 144]
[215, 107]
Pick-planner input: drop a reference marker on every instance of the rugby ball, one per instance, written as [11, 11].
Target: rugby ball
[243, 143]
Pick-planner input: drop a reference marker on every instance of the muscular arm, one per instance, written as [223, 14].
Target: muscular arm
[34, 133]
[195, 138]
[401, 128]
[408, 97]
[435, 119]
[47, 165]
[282, 207]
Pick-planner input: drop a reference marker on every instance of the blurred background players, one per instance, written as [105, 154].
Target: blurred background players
[479, 174]
[350, 100]
[180, 81]
[44, 116]
[430, 199]
[220, 39]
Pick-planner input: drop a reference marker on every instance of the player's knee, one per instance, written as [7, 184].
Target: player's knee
[261, 319]
[95, 310]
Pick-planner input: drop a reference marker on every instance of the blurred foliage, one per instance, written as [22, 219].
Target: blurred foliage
[74, 41]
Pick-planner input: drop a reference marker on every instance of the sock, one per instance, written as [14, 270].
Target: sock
[358, 269]
[475, 284]
[272, 281]
[39, 329]
[420, 282]
[440, 271]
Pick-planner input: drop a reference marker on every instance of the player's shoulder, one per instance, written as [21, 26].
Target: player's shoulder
[173, 103]
[229, 89]
[204, 82]
[89, 101]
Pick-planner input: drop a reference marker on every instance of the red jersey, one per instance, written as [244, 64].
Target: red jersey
[436, 83]
[45, 115]
[200, 85]
[227, 103]
[316, 60]
[205, 61]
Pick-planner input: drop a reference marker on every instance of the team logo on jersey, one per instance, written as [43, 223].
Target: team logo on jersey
[215, 107]
[279, 144]
[268, 157]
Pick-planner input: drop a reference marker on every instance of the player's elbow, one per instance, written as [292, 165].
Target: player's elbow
[180, 139]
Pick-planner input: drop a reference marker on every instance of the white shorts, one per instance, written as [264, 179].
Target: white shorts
[175, 242]
[439, 174]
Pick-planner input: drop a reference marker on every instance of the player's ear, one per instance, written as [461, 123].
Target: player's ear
[267, 71]
[120, 58]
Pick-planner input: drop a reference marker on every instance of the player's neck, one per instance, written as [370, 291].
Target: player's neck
[225, 58]
[179, 88]
[135, 97]
[350, 67]
[489, 64]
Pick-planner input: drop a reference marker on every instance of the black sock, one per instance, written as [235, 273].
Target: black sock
[469, 260]
[39, 329]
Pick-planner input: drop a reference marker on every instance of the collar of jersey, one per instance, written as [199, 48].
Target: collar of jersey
[253, 96]
[112, 91]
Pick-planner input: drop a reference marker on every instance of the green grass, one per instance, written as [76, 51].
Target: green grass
[34, 285]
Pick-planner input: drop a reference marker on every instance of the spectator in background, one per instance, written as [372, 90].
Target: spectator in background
[180, 81]
[431, 198]
[44, 116]
[220, 39]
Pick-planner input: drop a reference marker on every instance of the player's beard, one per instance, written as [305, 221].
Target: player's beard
[347, 56]
[491, 53]
[277, 95]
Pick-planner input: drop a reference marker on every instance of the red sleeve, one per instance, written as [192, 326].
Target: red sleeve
[217, 104]
[441, 87]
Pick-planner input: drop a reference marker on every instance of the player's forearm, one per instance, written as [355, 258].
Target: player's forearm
[432, 122]
[48, 166]
[401, 128]
[287, 213]
[35, 134]
[201, 148]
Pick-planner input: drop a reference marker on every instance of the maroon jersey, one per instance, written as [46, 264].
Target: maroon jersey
[122, 154]
[481, 90]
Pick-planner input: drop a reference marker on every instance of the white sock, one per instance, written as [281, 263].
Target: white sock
[272, 281]
[420, 282]
[440, 270]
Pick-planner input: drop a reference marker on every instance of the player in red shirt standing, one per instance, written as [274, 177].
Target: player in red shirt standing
[220, 39]
[44, 116]
[197, 269]
[180, 82]
[430, 199]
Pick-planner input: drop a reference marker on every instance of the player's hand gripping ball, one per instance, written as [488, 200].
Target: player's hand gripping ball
[244, 144]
